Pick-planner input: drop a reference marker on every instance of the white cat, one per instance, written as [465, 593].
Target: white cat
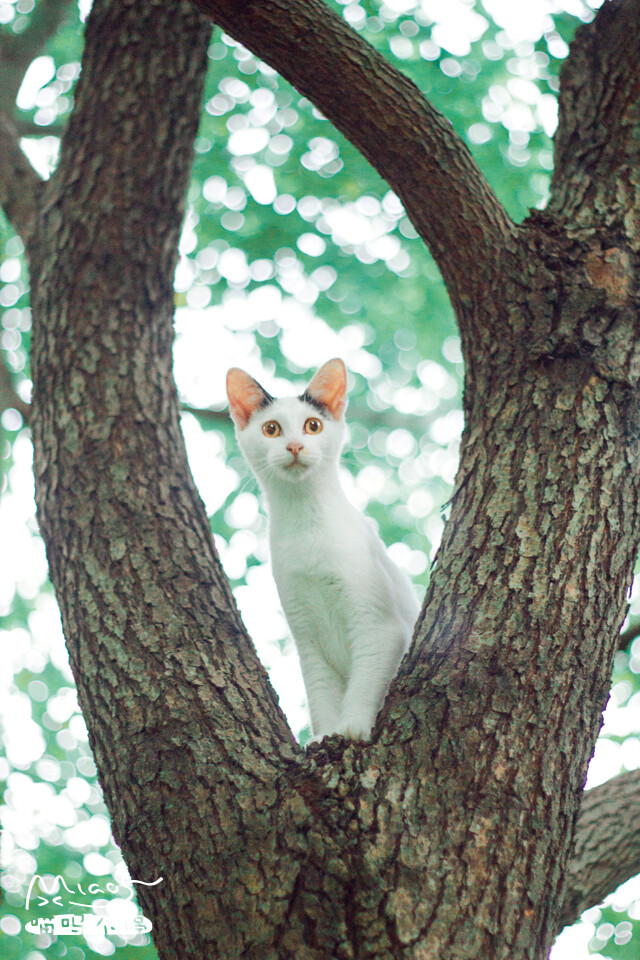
[350, 609]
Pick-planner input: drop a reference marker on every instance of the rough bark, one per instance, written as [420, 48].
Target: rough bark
[448, 836]
[596, 178]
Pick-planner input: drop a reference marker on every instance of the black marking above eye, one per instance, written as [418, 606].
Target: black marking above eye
[313, 402]
[266, 401]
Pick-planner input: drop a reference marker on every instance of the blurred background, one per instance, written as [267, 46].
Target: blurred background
[293, 251]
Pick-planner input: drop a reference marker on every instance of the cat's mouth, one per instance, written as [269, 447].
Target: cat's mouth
[296, 463]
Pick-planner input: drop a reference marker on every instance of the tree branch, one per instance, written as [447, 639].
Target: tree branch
[8, 396]
[27, 128]
[596, 147]
[386, 117]
[20, 185]
[629, 634]
[607, 850]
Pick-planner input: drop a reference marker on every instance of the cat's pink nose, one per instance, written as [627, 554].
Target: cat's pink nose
[294, 447]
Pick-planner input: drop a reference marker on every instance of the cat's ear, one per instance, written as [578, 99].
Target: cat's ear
[245, 396]
[329, 387]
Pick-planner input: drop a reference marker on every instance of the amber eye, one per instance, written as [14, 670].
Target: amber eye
[271, 428]
[313, 425]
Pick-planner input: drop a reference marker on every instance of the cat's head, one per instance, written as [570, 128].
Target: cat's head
[293, 439]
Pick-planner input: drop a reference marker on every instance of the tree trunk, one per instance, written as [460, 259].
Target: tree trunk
[447, 837]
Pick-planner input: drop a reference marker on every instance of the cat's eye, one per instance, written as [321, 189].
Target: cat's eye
[271, 428]
[313, 425]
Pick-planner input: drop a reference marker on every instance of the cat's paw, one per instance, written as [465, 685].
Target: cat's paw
[354, 729]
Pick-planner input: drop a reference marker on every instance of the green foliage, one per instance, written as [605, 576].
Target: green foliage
[617, 933]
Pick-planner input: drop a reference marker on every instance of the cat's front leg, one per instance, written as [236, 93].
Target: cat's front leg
[325, 689]
[376, 657]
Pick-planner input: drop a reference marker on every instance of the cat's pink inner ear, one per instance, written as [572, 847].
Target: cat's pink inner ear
[329, 387]
[245, 396]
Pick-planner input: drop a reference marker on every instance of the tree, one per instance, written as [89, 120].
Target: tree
[451, 835]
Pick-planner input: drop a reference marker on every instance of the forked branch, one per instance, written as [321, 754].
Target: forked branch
[8, 396]
[20, 185]
[629, 634]
[386, 117]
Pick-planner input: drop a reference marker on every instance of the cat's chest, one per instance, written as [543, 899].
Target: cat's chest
[318, 605]
[325, 552]
[314, 566]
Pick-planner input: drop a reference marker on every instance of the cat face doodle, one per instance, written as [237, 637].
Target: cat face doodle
[294, 439]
